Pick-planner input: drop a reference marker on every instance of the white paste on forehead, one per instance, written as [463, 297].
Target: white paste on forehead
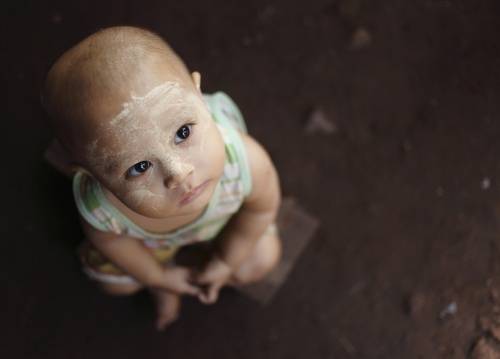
[140, 117]
[144, 102]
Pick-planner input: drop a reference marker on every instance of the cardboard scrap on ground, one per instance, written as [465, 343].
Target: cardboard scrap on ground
[296, 229]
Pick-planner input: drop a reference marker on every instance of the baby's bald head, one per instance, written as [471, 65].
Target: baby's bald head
[88, 83]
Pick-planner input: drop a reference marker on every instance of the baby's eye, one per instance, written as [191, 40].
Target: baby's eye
[182, 133]
[139, 168]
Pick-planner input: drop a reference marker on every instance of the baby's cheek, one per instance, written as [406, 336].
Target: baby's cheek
[204, 133]
[139, 196]
[142, 200]
[211, 147]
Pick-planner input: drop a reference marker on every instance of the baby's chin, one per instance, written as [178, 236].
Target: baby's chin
[170, 212]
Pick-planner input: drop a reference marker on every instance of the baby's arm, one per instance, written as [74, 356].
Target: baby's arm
[130, 256]
[258, 211]
[249, 224]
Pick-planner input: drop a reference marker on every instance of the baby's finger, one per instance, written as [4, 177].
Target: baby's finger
[213, 293]
[190, 289]
[184, 272]
[203, 279]
[202, 297]
[209, 295]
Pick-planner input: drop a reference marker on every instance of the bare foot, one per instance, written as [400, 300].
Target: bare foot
[168, 306]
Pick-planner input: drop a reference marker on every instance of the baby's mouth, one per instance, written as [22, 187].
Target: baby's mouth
[190, 196]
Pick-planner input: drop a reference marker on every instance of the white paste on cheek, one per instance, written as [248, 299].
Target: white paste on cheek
[139, 197]
[204, 133]
[210, 148]
[144, 192]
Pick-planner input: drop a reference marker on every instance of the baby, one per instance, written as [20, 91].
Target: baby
[157, 165]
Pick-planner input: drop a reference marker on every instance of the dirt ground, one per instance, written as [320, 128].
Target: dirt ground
[399, 162]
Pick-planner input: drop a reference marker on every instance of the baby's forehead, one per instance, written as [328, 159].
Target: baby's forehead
[166, 105]
[136, 110]
[144, 123]
[169, 95]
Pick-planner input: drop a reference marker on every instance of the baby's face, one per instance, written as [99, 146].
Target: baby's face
[162, 155]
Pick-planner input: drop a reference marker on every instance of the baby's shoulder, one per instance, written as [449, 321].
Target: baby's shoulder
[225, 111]
[261, 167]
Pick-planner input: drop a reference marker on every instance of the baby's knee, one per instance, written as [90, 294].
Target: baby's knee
[270, 255]
[262, 261]
[120, 289]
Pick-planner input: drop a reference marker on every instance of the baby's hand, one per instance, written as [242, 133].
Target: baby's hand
[179, 281]
[214, 276]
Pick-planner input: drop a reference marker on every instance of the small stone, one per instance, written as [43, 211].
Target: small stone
[485, 183]
[449, 310]
[440, 191]
[318, 122]
[360, 38]
[484, 350]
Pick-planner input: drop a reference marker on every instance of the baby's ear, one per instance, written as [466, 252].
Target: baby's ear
[58, 157]
[196, 79]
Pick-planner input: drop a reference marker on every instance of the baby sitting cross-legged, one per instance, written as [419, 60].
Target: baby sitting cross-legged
[157, 166]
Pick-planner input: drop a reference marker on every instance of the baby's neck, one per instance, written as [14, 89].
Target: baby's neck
[153, 225]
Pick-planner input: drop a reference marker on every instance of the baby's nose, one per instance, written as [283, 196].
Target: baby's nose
[177, 175]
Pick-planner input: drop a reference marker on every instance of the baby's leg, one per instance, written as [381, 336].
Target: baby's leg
[114, 282]
[120, 289]
[168, 306]
[263, 259]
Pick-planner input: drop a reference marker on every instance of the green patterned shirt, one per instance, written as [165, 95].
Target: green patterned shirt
[230, 192]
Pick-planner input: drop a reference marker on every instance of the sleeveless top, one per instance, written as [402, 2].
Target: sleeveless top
[234, 185]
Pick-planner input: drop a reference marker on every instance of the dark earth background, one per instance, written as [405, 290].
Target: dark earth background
[406, 263]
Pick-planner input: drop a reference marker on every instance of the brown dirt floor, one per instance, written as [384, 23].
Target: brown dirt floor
[406, 188]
